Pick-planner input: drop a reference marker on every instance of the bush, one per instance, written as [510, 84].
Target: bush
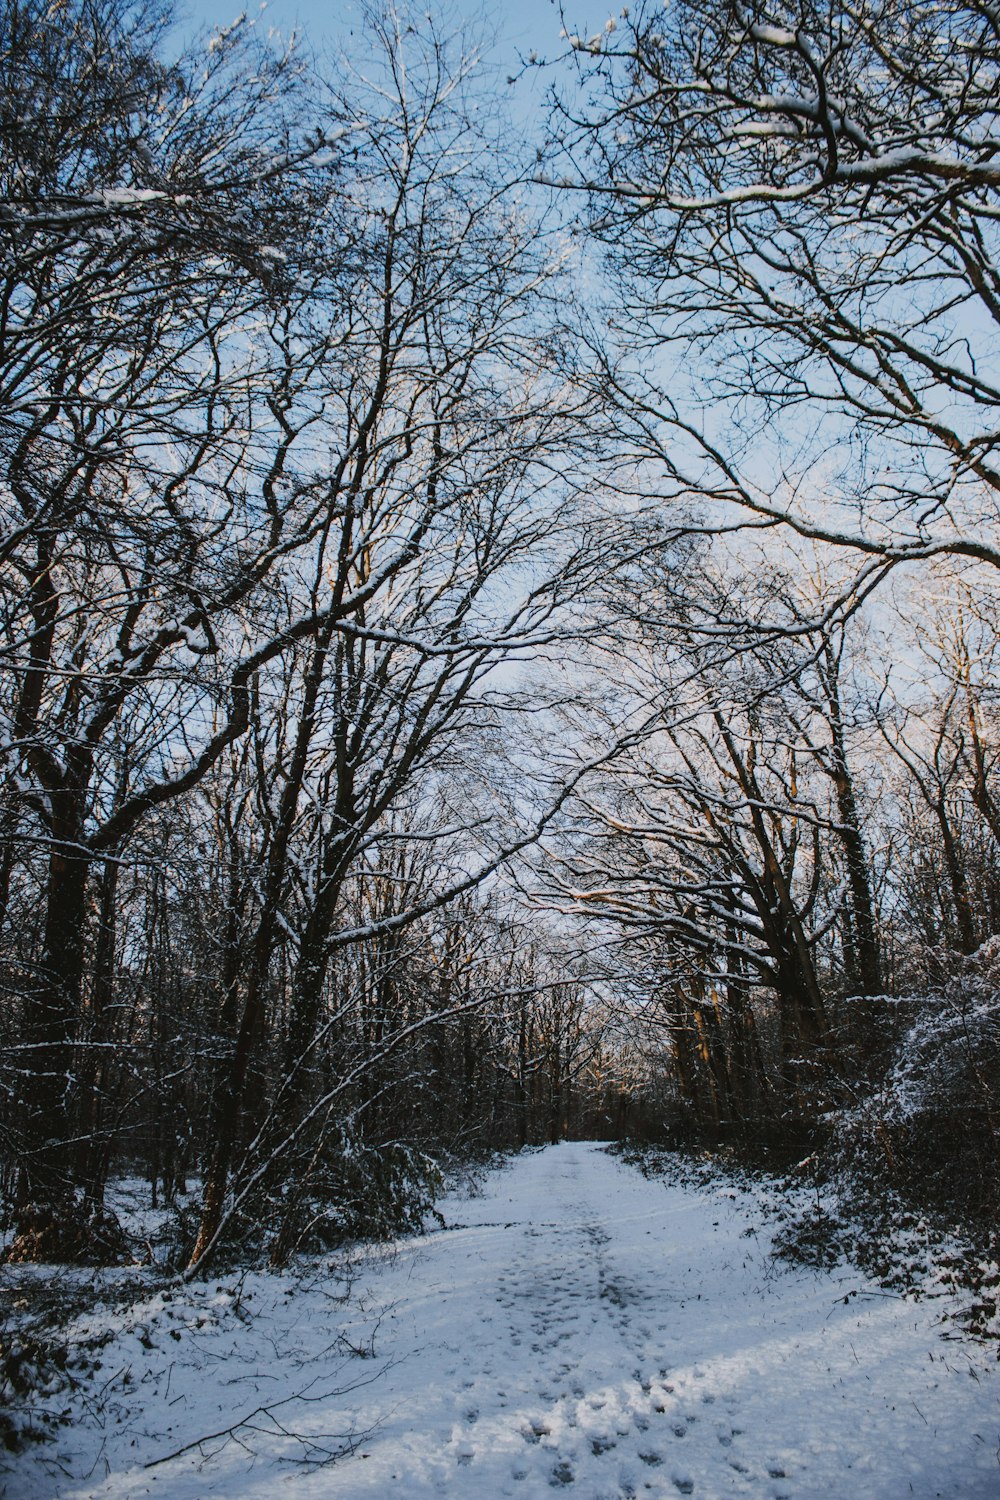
[69, 1235]
[355, 1190]
[929, 1127]
[814, 1238]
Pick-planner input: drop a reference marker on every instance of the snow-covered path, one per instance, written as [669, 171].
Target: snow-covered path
[578, 1327]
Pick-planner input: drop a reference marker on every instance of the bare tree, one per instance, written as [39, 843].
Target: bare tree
[456, 544]
[726, 846]
[800, 203]
[149, 417]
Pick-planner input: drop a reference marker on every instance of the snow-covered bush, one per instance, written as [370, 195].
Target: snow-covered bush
[359, 1191]
[80, 1237]
[929, 1127]
[813, 1238]
[344, 1189]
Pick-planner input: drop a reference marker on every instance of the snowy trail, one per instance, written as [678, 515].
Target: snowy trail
[579, 1328]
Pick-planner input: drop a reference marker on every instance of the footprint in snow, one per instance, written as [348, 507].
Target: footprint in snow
[685, 1486]
[562, 1474]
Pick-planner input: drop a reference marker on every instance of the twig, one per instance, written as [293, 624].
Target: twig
[230, 1433]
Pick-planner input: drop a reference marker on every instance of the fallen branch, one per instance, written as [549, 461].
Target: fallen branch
[349, 1441]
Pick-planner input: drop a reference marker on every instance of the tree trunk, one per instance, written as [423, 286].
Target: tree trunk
[956, 880]
[94, 1147]
[45, 1180]
[867, 966]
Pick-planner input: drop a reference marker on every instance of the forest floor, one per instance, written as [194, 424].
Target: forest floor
[574, 1326]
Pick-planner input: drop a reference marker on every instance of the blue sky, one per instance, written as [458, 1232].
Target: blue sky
[520, 27]
[523, 25]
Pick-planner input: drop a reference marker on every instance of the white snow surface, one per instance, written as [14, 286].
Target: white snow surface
[574, 1327]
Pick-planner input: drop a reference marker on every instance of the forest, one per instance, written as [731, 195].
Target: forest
[498, 621]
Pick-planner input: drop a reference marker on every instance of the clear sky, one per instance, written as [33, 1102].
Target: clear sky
[521, 25]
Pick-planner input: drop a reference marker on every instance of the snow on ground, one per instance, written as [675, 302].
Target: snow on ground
[575, 1327]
